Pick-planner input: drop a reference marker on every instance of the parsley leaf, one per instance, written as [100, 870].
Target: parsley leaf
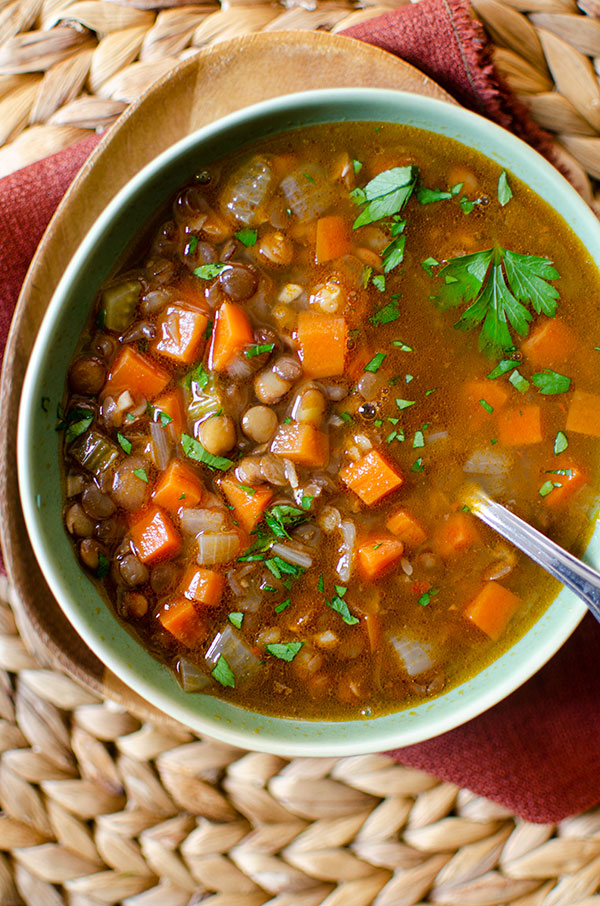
[427, 196]
[258, 349]
[561, 442]
[498, 285]
[518, 381]
[376, 362]
[247, 236]
[501, 368]
[284, 515]
[548, 382]
[194, 450]
[285, 651]
[141, 474]
[386, 194]
[124, 443]
[236, 618]
[223, 672]
[386, 314]
[338, 604]
[208, 271]
[504, 190]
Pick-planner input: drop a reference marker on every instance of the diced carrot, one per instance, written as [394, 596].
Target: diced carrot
[204, 586]
[133, 371]
[232, 331]
[154, 536]
[549, 343]
[180, 334]
[321, 344]
[518, 427]
[404, 526]
[248, 504]
[333, 238]
[178, 486]
[180, 617]
[303, 444]
[377, 555]
[491, 392]
[492, 609]
[568, 484]
[373, 624]
[456, 535]
[171, 403]
[583, 416]
[371, 477]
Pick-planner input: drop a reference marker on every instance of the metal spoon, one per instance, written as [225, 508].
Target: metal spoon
[576, 575]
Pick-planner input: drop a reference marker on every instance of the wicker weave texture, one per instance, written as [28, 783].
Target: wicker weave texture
[69, 67]
[98, 808]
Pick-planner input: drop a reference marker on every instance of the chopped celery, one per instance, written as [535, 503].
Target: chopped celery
[119, 304]
[202, 396]
[94, 452]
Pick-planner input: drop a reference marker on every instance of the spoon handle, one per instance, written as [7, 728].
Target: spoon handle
[576, 575]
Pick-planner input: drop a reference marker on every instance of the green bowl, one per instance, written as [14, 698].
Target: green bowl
[38, 444]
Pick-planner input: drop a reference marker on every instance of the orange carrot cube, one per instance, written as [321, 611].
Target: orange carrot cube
[321, 344]
[404, 526]
[492, 609]
[371, 477]
[133, 371]
[180, 334]
[179, 617]
[333, 238]
[377, 555]
[204, 586]
[178, 486]
[171, 403]
[303, 444]
[518, 427]
[569, 484]
[491, 392]
[457, 535]
[549, 343]
[583, 416]
[248, 503]
[154, 536]
[231, 332]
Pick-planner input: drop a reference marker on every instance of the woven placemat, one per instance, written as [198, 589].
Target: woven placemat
[101, 808]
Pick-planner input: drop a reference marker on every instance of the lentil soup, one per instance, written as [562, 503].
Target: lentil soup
[277, 401]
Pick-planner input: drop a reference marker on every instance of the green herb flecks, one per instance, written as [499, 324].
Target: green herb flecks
[425, 598]
[75, 429]
[223, 673]
[285, 651]
[418, 465]
[561, 442]
[550, 382]
[379, 282]
[403, 347]
[284, 516]
[236, 619]
[247, 236]
[103, 568]
[124, 443]
[284, 604]
[376, 362]
[518, 381]
[141, 474]
[386, 194]
[485, 405]
[208, 271]
[428, 196]
[405, 404]
[428, 264]
[194, 450]
[258, 349]
[338, 604]
[386, 314]
[499, 285]
[501, 368]
[504, 190]
[548, 487]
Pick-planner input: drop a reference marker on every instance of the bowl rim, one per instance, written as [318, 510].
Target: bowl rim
[306, 735]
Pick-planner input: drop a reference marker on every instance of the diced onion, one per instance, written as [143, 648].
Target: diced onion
[191, 678]
[238, 654]
[292, 555]
[217, 547]
[414, 656]
[125, 401]
[344, 564]
[161, 448]
[489, 462]
[194, 521]
[290, 473]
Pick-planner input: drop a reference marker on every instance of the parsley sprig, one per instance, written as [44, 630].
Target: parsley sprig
[499, 285]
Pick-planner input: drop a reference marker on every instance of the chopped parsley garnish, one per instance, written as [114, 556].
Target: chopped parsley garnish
[284, 515]
[405, 404]
[489, 409]
[427, 196]
[236, 619]
[366, 275]
[386, 194]
[357, 166]
[379, 282]
[408, 378]
[141, 474]
[280, 607]
[321, 584]
[568, 473]
[125, 444]
[198, 376]
[519, 382]
[430, 391]
[258, 349]
[76, 428]
[417, 465]
[419, 440]
[310, 178]
[285, 651]
[130, 417]
[498, 284]
[549, 382]
[341, 590]
[386, 314]
[191, 246]
[194, 450]
[501, 368]
[306, 501]
[247, 489]
[338, 604]
[548, 487]
[278, 567]
[428, 264]
[504, 190]
[346, 417]
[208, 271]
[223, 672]
[561, 443]
[164, 419]
[103, 568]
[427, 596]
[247, 236]
[376, 362]
[403, 347]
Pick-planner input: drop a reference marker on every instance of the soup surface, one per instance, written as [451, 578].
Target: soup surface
[277, 403]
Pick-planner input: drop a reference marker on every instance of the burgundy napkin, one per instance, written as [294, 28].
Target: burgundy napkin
[538, 752]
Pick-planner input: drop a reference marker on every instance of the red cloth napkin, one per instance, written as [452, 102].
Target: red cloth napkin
[538, 752]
